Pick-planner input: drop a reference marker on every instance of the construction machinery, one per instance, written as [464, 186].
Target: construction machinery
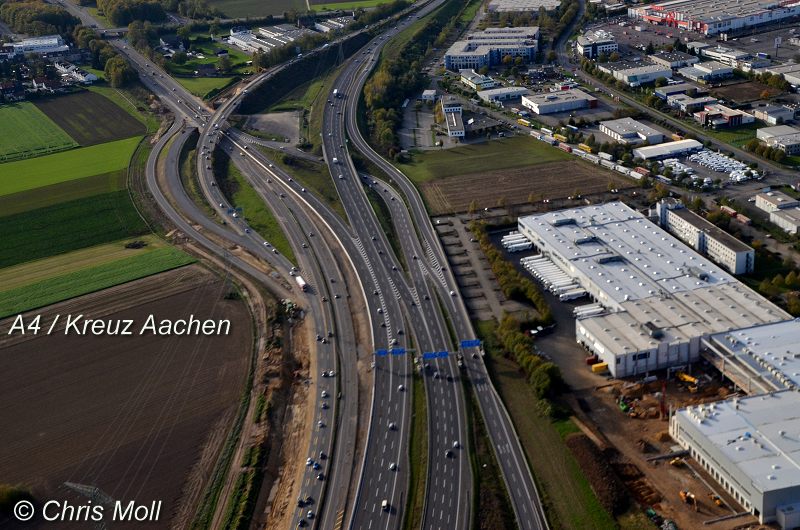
[716, 499]
[677, 462]
[689, 498]
[686, 378]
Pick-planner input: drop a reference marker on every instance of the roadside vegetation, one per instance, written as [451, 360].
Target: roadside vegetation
[314, 176]
[418, 456]
[568, 499]
[240, 193]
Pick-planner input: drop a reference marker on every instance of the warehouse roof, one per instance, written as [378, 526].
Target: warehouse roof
[666, 149]
[630, 127]
[561, 95]
[751, 433]
[629, 257]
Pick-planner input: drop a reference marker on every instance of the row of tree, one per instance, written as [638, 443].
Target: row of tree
[543, 376]
[513, 284]
[765, 151]
[123, 12]
[35, 17]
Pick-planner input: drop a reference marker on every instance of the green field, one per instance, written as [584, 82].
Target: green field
[90, 279]
[29, 174]
[62, 192]
[517, 151]
[257, 8]
[257, 214]
[90, 118]
[68, 226]
[202, 86]
[238, 59]
[313, 176]
[25, 131]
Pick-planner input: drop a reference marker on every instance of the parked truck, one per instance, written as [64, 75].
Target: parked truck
[301, 283]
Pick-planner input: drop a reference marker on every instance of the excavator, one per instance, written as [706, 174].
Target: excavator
[689, 498]
[686, 378]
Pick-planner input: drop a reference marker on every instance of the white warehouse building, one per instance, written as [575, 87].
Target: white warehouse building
[630, 132]
[750, 446]
[661, 297]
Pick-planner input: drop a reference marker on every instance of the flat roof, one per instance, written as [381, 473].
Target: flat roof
[709, 228]
[521, 5]
[454, 121]
[713, 10]
[629, 126]
[777, 198]
[712, 66]
[504, 90]
[766, 349]
[672, 56]
[791, 215]
[597, 36]
[560, 95]
[653, 151]
[630, 257]
[757, 435]
[678, 88]
[778, 130]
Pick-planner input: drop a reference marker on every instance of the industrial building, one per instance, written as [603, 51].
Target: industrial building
[707, 72]
[772, 201]
[267, 37]
[333, 24]
[520, 6]
[718, 116]
[660, 297]
[790, 72]
[476, 81]
[635, 74]
[773, 114]
[707, 239]
[788, 219]
[562, 101]
[667, 150]
[41, 45]
[592, 43]
[673, 59]
[787, 139]
[488, 47]
[451, 108]
[630, 132]
[680, 88]
[496, 95]
[750, 446]
[689, 104]
[711, 17]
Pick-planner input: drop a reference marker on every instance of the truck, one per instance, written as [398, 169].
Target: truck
[301, 283]
[560, 137]
[585, 148]
[565, 147]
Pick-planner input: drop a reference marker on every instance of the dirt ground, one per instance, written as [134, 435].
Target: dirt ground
[131, 415]
[743, 92]
[631, 441]
[286, 124]
[514, 186]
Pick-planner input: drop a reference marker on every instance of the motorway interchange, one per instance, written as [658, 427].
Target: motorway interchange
[349, 263]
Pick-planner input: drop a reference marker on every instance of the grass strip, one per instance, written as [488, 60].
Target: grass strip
[418, 456]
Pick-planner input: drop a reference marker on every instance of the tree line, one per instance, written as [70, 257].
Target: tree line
[118, 72]
[123, 12]
[35, 17]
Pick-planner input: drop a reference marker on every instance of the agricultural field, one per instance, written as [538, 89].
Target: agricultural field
[90, 118]
[517, 186]
[120, 412]
[27, 132]
[257, 8]
[69, 165]
[508, 153]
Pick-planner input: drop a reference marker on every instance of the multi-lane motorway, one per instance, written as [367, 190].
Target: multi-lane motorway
[405, 309]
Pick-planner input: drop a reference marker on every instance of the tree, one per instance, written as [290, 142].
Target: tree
[179, 58]
[551, 56]
[661, 81]
[213, 28]
[118, 72]
[650, 50]
[778, 280]
[507, 60]
[547, 381]
[791, 280]
[613, 57]
[224, 64]
[473, 207]
[484, 70]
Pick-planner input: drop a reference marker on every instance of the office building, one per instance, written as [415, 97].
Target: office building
[635, 74]
[707, 239]
[476, 81]
[47, 44]
[490, 46]
[719, 116]
[593, 43]
[630, 132]
[520, 6]
[711, 17]
[562, 101]
[773, 114]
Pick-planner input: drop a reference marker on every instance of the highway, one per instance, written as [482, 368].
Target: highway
[511, 458]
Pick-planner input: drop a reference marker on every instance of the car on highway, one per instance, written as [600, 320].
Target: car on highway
[320, 424]
[324, 394]
[392, 426]
[321, 476]
[392, 466]
[401, 388]
[448, 454]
